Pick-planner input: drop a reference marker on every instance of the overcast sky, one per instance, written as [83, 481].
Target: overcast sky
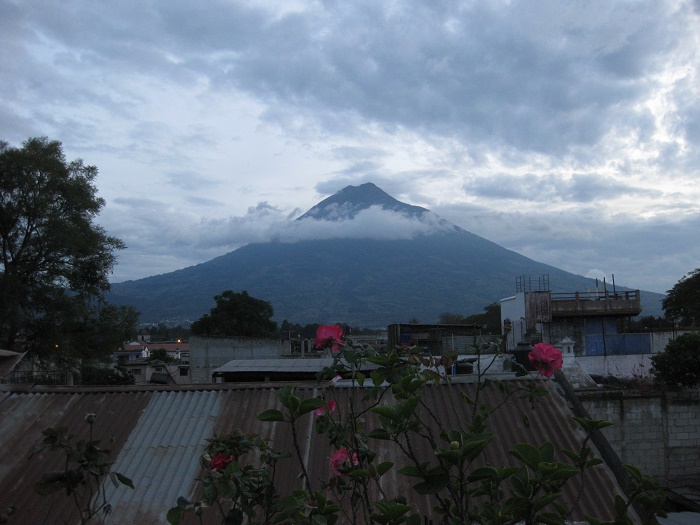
[566, 131]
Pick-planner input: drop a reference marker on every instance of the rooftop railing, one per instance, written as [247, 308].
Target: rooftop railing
[596, 303]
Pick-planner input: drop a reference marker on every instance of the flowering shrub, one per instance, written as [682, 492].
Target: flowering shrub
[546, 359]
[328, 407]
[86, 465]
[340, 462]
[456, 475]
[220, 461]
[329, 337]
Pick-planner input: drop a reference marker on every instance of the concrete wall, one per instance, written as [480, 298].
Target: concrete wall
[622, 366]
[659, 434]
[208, 353]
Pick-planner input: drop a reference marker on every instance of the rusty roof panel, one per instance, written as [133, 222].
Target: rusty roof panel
[22, 419]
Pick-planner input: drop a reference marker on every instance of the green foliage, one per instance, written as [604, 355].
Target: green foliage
[489, 321]
[54, 261]
[679, 365]
[682, 302]
[85, 467]
[96, 375]
[236, 314]
[449, 466]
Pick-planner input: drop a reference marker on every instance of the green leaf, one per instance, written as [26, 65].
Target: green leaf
[183, 503]
[378, 377]
[527, 454]
[175, 515]
[620, 506]
[360, 378]
[388, 412]
[359, 473]
[414, 519]
[285, 393]
[384, 467]
[634, 472]
[483, 473]
[124, 480]
[411, 470]
[407, 408]
[379, 433]
[270, 415]
[309, 405]
[542, 502]
[294, 403]
[432, 484]
[547, 452]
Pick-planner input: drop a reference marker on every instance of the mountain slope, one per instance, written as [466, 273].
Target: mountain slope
[363, 282]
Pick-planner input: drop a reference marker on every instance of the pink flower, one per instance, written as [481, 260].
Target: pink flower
[546, 359]
[329, 336]
[220, 461]
[341, 459]
[330, 406]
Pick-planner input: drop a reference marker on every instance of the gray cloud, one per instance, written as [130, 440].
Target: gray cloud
[579, 188]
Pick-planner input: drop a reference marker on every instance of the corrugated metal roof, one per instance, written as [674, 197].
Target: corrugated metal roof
[158, 433]
[281, 365]
[275, 365]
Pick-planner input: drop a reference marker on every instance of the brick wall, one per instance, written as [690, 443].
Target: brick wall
[659, 434]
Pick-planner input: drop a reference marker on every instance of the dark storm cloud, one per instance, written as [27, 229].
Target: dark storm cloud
[528, 75]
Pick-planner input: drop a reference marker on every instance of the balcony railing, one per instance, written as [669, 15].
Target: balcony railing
[596, 303]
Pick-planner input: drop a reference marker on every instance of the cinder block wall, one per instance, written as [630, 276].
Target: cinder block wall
[209, 353]
[659, 434]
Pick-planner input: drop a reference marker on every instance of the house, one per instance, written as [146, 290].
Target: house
[157, 433]
[536, 314]
[8, 361]
[142, 349]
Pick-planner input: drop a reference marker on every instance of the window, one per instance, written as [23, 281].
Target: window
[184, 371]
[136, 371]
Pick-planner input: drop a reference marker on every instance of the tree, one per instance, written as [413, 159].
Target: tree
[489, 321]
[160, 354]
[682, 302]
[679, 365]
[237, 314]
[55, 260]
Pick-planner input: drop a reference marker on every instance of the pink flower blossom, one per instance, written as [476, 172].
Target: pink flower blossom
[220, 461]
[546, 359]
[329, 336]
[340, 459]
[335, 380]
[330, 406]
